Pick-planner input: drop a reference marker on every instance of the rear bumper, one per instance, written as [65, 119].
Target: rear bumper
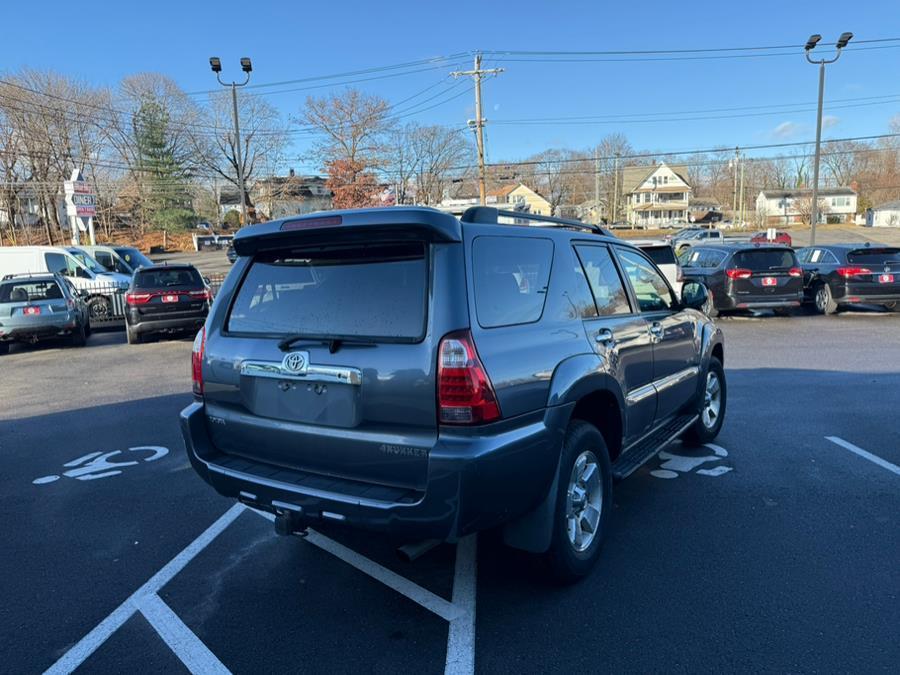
[775, 302]
[868, 298]
[46, 331]
[143, 325]
[475, 481]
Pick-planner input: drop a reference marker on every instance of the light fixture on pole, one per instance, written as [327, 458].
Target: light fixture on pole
[810, 45]
[215, 65]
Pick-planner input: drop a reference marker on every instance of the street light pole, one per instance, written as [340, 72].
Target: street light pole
[216, 65]
[810, 45]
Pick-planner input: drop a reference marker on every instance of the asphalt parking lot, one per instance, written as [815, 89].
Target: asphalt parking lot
[775, 549]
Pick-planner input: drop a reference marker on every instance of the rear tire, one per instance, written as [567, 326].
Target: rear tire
[711, 408]
[823, 300]
[87, 329]
[583, 503]
[79, 339]
[133, 337]
[892, 306]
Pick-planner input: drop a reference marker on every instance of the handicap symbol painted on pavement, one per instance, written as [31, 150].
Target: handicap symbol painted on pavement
[674, 465]
[97, 465]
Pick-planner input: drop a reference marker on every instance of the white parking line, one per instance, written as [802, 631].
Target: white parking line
[90, 642]
[875, 459]
[181, 640]
[433, 603]
[461, 638]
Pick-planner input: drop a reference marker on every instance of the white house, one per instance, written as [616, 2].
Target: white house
[785, 207]
[656, 195]
[886, 215]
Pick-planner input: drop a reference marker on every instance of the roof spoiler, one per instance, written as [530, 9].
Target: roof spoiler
[351, 225]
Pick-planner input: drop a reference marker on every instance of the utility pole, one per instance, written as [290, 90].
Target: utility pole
[478, 123]
[737, 158]
[216, 65]
[810, 45]
[597, 184]
[615, 204]
[742, 194]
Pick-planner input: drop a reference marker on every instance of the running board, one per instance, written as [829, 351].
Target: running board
[635, 456]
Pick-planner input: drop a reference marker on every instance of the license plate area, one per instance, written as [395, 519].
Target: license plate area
[170, 298]
[769, 281]
[31, 311]
[885, 278]
[331, 404]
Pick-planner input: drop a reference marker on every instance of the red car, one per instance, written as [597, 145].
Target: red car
[780, 238]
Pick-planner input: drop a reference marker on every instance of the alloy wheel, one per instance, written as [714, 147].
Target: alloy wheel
[584, 501]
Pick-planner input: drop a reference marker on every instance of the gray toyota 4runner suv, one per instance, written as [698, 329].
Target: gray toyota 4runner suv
[405, 371]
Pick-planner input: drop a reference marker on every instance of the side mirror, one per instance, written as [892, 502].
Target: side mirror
[694, 296]
[206, 281]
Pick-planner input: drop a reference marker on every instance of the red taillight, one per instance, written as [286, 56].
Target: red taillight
[312, 223]
[679, 277]
[197, 362]
[847, 272]
[795, 272]
[200, 295]
[739, 273]
[138, 298]
[465, 394]
[70, 303]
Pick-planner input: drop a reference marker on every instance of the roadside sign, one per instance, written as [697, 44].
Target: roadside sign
[81, 205]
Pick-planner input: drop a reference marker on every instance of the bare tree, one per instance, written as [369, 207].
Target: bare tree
[350, 126]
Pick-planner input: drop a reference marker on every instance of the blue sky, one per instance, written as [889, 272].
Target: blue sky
[293, 40]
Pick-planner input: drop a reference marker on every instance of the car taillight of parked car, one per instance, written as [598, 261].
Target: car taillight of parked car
[70, 304]
[795, 272]
[848, 272]
[739, 273]
[199, 295]
[138, 298]
[465, 394]
[197, 362]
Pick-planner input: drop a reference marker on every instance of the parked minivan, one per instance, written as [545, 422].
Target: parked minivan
[100, 288]
[401, 370]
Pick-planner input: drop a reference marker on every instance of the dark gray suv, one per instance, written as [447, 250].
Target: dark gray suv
[403, 370]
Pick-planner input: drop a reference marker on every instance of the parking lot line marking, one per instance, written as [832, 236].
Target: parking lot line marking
[433, 603]
[461, 636]
[875, 459]
[195, 655]
[87, 645]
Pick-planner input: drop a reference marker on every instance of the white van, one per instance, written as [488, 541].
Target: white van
[102, 290]
[662, 253]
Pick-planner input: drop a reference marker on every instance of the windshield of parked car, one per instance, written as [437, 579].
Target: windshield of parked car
[765, 259]
[133, 257]
[873, 256]
[373, 290]
[30, 291]
[87, 261]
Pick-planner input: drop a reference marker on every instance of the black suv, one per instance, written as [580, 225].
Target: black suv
[165, 299]
[842, 274]
[401, 370]
[745, 276]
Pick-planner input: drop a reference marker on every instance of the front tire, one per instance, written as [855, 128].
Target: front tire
[824, 300]
[713, 398]
[99, 308]
[583, 503]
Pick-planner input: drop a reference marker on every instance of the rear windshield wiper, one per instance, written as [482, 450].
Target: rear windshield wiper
[334, 343]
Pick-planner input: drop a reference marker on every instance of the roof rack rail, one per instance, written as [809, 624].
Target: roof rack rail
[18, 275]
[491, 215]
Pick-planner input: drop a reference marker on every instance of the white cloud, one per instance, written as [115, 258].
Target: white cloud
[829, 121]
[786, 130]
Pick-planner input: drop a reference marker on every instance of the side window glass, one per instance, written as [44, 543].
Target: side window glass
[511, 278]
[604, 280]
[652, 291]
[816, 256]
[580, 300]
[56, 262]
[828, 258]
[803, 255]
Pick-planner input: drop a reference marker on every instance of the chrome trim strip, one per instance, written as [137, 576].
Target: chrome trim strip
[314, 373]
[637, 395]
[676, 378]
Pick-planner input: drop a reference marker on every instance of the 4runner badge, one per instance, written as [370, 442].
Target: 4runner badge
[295, 363]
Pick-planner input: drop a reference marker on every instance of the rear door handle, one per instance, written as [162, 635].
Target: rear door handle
[605, 337]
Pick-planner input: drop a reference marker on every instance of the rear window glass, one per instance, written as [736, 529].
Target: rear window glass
[363, 290]
[701, 257]
[765, 259]
[164, 278]
[661, 255]
[874, 256]
[511, 276]
[30, 291]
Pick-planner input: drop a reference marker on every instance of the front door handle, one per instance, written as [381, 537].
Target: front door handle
[656, 330]
[605, 337]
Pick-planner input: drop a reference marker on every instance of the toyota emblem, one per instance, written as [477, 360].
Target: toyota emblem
[294, 363]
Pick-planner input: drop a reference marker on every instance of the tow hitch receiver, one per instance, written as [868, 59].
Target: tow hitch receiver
[290, 522]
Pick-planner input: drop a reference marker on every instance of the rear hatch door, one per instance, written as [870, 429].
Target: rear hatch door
[161, 293]
[875, 271]
[32, 303]
[774, 275]
[323, 360]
